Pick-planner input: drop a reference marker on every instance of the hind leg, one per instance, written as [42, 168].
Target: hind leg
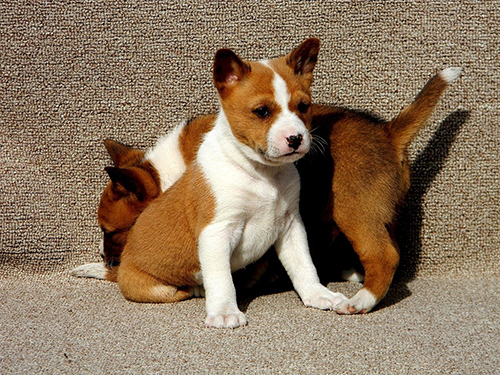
[139, 286]
[380, 257]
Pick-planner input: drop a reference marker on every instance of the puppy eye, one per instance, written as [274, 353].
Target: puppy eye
[262, 112]
[303, 107]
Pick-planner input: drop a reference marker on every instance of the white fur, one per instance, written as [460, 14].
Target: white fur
[363, 301]
[287, 123]
[93, 270]
[166, 157]
[101, 248]
[256, 207]
[450, 75]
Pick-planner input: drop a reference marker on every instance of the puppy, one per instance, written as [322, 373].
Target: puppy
[136, 179]
[238, 198]
[356, 186]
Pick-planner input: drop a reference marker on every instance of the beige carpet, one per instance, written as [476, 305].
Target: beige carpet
[434, 325]
[75, 73]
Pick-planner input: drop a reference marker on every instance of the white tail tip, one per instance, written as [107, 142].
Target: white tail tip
[93, 270]
[450, 75]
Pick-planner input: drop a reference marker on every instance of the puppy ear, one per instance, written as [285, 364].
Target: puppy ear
[122, 155]
[303, 59]
[126, 181]
[229, 69]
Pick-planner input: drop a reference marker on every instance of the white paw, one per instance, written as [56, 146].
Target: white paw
[323, 298]
[93, 270]
[227, 320]
[361, 303]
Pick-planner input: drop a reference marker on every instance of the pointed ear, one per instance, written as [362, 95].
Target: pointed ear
[126, 182]
[303, 59]
[121, 154]
[229, 69]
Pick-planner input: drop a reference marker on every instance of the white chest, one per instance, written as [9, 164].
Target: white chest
[262, 219]
[265, 219]
[257, 210]
[254, 203]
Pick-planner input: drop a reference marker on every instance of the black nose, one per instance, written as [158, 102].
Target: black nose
[294, 141]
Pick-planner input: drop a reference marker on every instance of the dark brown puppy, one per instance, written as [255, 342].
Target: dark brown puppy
[135, 181]
[134, 184]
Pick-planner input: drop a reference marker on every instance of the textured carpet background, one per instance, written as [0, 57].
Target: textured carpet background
[74, 73]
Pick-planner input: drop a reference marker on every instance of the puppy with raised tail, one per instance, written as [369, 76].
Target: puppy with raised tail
[357, 186]
[239, 197]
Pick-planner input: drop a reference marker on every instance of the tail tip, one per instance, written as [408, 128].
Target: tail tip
[450, 75]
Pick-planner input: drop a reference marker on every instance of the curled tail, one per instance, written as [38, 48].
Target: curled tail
[406, 125]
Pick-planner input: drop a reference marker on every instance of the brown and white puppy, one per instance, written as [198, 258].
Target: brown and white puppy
[359, 182]
[237, 199]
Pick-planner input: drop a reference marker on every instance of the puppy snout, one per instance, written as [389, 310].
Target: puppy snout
[294, 141]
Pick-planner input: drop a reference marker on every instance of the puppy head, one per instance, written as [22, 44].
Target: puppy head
[133, 185]
[267, 103]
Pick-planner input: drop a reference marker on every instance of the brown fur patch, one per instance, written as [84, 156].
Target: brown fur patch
[253, 91]
[122, 155]
[192, 135]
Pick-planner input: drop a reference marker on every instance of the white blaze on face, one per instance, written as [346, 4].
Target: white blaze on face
[286, 125]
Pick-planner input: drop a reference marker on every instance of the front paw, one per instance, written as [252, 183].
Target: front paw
[361, 303]
[234, 320]
[323, 298]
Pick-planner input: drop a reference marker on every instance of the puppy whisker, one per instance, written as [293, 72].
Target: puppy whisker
[318, 145]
